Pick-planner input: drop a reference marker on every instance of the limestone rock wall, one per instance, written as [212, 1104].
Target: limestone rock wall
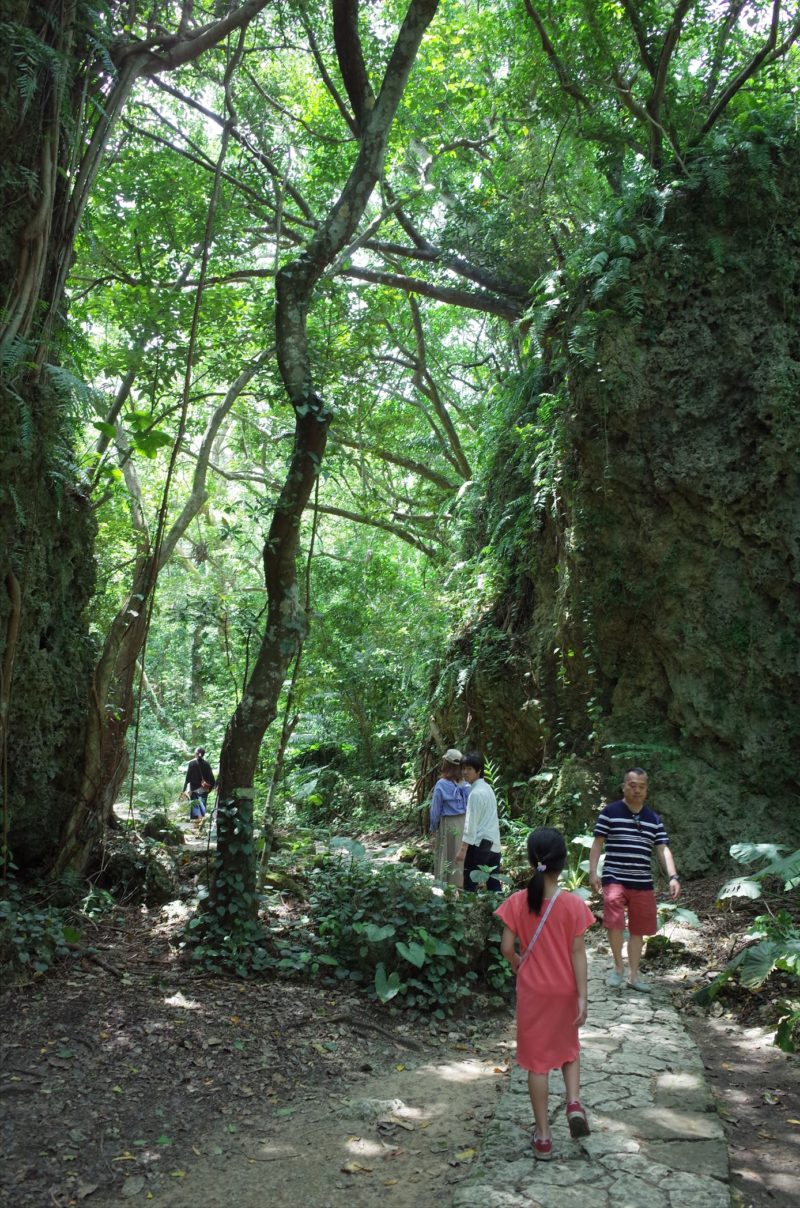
[650, 610]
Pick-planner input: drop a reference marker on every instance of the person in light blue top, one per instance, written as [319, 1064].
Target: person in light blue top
[448, 807]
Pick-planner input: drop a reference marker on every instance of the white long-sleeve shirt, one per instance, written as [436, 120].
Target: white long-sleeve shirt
[481, 820]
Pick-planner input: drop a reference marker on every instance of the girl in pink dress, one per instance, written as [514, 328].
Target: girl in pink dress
[551, 981]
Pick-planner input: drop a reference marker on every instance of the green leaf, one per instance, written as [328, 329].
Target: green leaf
[747, 853]
[386, 987]
[758, 962]
[413, 953]
[375, 933]
[740, 887]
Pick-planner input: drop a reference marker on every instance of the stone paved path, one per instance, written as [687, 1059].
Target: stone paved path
[656, 1141]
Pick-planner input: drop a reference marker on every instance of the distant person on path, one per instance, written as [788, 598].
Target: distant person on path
[480, 842]
[549, 924]
[448, 808]
[200, 781]
[630, 830]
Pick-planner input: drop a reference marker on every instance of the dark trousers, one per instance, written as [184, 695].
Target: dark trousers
[481, 855]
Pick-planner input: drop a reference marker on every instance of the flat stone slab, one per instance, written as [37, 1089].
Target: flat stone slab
[656, 1140]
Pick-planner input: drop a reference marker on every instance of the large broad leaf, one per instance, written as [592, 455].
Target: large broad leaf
[707, 995]
[788, 869]
[740, 887]
[414, 953]
[784, 1037]
[758, 962]
[375, 933]
[677, 916]
[748, 853]
[386, 987]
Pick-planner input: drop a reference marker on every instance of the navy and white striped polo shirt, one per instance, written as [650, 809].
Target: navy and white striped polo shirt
[629, 842]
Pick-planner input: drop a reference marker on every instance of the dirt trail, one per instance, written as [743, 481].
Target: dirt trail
[405, 1137]
[132, 1079]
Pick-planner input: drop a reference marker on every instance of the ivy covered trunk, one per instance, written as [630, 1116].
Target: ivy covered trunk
[649, 608]
[71, 68]
[46, 526]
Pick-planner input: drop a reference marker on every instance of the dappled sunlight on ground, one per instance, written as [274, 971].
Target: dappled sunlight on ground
[180, 1000]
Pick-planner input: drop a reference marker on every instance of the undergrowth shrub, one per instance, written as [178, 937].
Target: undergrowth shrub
[776, 935]
[385, 926]
[32, 936]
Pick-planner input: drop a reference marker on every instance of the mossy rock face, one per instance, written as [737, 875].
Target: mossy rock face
[161, 828]
[281, 881]
[420, 857]
[649, 618]
[139, 870]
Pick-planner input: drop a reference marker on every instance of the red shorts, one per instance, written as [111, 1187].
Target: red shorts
[640, 905]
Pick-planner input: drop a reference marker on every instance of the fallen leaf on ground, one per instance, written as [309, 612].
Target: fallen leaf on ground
[466, 1155]
[355, 1168]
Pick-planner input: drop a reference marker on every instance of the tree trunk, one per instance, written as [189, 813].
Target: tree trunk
[234, 890]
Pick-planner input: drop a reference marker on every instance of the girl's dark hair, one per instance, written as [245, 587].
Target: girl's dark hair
[473, 760]
[548, 847]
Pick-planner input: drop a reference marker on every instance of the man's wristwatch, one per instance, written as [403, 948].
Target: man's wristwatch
[675, 877]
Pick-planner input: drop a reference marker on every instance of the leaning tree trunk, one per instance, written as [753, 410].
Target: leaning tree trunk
[233, 894]
[113, 684]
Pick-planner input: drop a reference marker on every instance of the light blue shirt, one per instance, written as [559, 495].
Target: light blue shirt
[448, 800]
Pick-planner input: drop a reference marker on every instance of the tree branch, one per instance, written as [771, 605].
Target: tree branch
[442, 293]
[567, 85]
[174, 51]
[733, 86]
[325, 74]
[351, 59]
[656, 98]
[395, 459]
[634, 16]
[424, 381]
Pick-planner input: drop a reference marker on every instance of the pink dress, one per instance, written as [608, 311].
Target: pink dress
[547, 996]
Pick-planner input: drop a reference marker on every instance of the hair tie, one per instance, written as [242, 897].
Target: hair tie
[541, 868]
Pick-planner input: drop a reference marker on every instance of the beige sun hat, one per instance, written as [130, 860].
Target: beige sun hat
[453, 756]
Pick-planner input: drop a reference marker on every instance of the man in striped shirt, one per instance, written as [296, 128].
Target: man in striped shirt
[630, 830]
